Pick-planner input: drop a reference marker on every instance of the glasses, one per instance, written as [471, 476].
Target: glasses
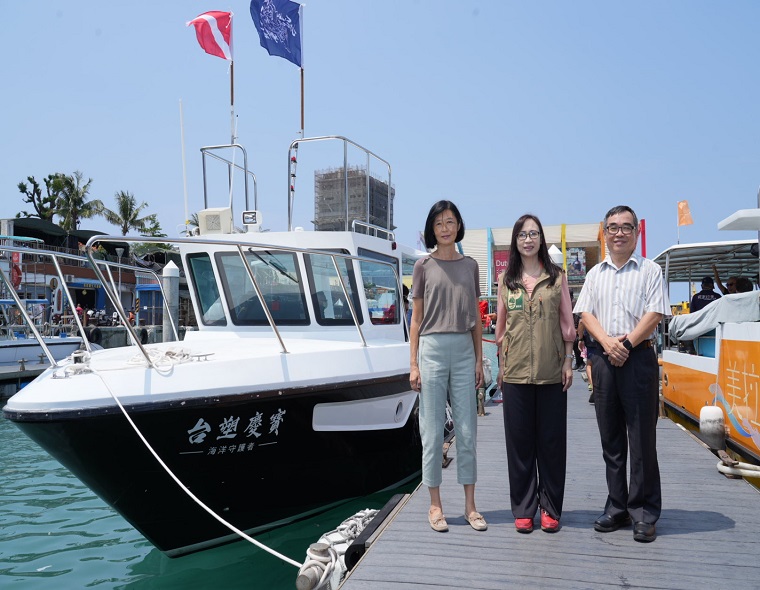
[626, 229]
[730, 284]
[524, 235]
[448, 224]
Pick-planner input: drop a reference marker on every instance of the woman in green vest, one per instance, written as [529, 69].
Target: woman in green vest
[535, 333]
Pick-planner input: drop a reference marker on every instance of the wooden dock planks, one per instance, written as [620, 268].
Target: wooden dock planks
[707, 534]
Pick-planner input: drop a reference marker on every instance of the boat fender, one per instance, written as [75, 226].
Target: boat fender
[95, 335]
[143, 336]
[712, 427]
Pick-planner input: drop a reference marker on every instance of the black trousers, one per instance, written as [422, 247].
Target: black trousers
[626, 402]
[535, 426]
[577, 353]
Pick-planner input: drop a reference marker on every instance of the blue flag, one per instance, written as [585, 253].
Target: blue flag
[279, 25]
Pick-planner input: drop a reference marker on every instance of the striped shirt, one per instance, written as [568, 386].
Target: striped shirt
[619, 297]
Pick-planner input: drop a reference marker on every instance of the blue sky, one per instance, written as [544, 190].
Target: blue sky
[560, 108]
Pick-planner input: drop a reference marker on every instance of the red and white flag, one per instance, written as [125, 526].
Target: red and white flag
[214, 32]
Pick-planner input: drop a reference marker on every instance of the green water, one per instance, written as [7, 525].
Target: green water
[55, 532]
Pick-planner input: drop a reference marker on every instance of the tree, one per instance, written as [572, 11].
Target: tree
[45, 207]
[127, 215]
[153, 228]
[72, 204]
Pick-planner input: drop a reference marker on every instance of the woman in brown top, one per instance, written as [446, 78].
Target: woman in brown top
[447, 356]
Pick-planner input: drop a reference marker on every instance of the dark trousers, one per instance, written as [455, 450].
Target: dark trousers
[535, 425]
[577, 353]
[626, 402]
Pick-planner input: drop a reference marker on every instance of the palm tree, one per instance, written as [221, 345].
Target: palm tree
[127, 214]
[191, 224]
[72, 204]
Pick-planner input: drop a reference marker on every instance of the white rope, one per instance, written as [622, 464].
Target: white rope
[743, 469]
[80, 368]
[345, 533]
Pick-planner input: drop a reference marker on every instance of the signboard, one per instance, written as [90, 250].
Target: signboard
[576, 265]
[500, 262]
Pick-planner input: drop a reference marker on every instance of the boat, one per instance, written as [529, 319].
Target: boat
[710, 357]
[291, 397]
[18, 345]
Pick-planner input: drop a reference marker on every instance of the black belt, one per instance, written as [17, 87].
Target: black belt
[643, 345]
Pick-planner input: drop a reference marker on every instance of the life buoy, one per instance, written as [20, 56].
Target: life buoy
[143, 336]
[94, 335]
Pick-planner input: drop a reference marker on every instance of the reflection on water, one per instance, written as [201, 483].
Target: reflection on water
[54, 527]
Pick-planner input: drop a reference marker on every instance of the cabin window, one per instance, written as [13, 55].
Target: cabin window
[381, 287]
[327, 295]
[206, 290]
[278, 278]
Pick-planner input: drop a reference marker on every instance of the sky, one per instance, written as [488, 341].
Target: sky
[559, 108]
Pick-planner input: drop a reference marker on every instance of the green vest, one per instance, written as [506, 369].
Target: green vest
[533, 350]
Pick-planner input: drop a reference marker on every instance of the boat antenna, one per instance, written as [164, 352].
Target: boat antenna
[184, 166]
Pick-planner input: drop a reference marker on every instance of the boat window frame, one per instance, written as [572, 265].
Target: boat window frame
[219, 258]
[352, 285]
[191, 271]
[385, 258]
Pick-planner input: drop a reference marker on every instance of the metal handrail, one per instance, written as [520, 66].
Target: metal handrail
[230, 164]
[346, 141]
[94, 263]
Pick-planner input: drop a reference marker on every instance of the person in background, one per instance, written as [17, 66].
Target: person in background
[405, 297]
[447, 356]
[535, 332]
[621, 303]
[730, 286]
[580, 363]
[704, 297]
[588, 344]
[744, 285]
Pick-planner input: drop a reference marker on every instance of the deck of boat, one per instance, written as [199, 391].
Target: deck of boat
[707, 534]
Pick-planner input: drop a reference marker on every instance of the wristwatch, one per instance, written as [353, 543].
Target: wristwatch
[628, 345]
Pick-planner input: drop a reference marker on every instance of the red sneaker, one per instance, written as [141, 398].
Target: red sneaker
[524, 525]
[549, 524]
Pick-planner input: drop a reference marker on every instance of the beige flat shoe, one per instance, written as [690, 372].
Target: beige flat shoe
[476, 521]
[438, 521]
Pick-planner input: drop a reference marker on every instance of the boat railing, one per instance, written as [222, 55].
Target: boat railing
[241, 248]
[370, 229]
[55, 258]
[231, 165]
[293, 162]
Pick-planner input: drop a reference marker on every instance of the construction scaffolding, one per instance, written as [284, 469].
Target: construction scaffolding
[368, 199]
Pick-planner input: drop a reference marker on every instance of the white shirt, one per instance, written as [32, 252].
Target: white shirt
[619, 297]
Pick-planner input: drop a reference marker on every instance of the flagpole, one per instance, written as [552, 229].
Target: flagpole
[302, 100]
[232, 101]
[300, 32]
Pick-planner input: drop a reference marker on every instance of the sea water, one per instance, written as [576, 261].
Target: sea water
[54, 532]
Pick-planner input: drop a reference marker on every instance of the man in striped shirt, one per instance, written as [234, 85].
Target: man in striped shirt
[621, 303]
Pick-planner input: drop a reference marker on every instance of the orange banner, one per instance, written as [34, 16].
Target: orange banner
[684, 214]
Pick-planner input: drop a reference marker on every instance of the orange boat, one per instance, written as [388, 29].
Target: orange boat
[713, 356]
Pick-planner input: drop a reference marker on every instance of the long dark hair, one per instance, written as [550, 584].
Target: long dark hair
[514, 271]
[435, 211]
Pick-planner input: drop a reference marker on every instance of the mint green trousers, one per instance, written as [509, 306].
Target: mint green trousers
[447, 369]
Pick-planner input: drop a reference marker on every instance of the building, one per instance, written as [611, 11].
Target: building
[575, 247]
[368, 199]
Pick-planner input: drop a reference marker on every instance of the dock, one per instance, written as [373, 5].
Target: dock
[707, 535]
[11, 378]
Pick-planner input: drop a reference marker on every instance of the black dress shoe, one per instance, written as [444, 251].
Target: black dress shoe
[607, 523]
[644, 532]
